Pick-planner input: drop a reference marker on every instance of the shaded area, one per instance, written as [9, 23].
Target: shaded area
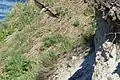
[117, 69]
[85, 73]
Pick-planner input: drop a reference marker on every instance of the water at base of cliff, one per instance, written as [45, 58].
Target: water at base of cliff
[5, 6]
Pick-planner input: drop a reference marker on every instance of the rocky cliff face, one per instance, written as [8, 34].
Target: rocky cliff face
[106, 66]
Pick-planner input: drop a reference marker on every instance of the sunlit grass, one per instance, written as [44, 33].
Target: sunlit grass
[33, 41]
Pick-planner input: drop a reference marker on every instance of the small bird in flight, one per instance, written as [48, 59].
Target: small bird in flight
[44, 9]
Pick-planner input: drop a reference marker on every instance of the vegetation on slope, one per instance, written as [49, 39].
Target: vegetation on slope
[32, 42]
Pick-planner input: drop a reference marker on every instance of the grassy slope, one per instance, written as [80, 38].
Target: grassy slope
[31, 42]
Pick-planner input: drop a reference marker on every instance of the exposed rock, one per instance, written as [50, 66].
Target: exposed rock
[106, 39]
[109, 8]
[104, 63]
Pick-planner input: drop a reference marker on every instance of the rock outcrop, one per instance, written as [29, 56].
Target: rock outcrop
[106, 66]
[104, 63]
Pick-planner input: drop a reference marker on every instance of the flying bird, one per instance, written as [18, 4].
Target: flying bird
[44, 9]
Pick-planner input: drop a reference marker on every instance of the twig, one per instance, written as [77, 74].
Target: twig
[112, 33]
[114, 38]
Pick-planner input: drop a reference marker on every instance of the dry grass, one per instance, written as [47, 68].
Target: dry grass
[39, 41]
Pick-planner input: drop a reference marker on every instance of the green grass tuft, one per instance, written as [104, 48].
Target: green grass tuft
[61, 12]
[20, 16]
[49, 41]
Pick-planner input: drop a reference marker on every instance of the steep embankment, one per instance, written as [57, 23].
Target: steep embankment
[31, 43]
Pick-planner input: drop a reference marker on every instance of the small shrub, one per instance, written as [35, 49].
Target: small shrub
[61, 44]
[64, 43]
[88, 12]
[48, 2]
[48, 58]
[49, 41]
[61, 12]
